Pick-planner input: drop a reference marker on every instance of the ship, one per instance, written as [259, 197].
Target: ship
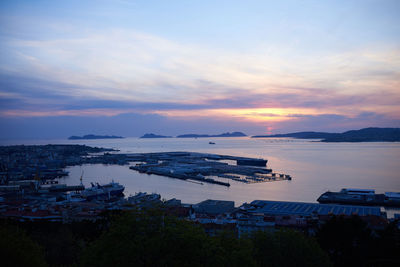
[366, 197]
[103, 191]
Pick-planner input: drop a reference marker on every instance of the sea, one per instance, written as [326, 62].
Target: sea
[315, 167]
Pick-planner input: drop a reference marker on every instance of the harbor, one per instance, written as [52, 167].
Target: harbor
[45, 193]
[30, 176]
[89, 196]
[206, 168]
[46, 163]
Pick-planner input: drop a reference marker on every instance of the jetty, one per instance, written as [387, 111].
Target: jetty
[205, 167]
[45, 163]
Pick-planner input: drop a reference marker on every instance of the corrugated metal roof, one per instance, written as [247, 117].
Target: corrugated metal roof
[305, 209]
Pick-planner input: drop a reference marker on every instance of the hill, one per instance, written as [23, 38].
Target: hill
[92, 136]
[362, 135]
[300, 135]
[233, 134]
[151, 135]
[367, 135]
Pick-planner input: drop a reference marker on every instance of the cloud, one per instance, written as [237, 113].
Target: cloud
[130, 124]
[125, 64]
[112, 72]
[333, 122]
[20, 93]
[134, 124]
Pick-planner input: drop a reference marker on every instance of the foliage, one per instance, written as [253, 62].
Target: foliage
[62, 243]
[287, 248]
[150, 239]
[350, 242]
[346, 240]
[143, 239]
[17, 249]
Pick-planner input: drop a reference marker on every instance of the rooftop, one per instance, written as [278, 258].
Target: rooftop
[307, 209]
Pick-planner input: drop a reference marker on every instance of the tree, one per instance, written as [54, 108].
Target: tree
[350, 242]
[287, 248]
[151, 239]
[347, 240]
[17, 249]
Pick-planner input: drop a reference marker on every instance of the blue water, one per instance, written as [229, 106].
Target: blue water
[315, 167]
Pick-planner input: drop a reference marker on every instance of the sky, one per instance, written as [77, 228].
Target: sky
[175, 67]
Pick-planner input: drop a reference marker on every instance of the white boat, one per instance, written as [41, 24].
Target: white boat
[102, 191]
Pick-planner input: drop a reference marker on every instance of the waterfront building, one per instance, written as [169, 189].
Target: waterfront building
[309, 209]
[214, 207]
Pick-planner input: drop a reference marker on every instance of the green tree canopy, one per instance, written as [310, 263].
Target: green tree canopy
[17, 249]
[143, 239]
[287, 248]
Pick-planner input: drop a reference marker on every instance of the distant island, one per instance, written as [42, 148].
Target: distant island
[300, 135]
[92, 136]
[233, 134]
[363, 135]
[151, 135]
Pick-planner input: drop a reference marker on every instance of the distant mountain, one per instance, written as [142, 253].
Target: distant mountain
[233, 134]
[363, 135]
[92, 136]
[367, 135]
[151, 135]
[300, 135]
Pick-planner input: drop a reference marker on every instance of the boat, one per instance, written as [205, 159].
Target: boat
[211, 143]
[366, 197]
[103, 191]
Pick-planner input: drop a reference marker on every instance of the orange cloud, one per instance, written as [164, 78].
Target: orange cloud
[250, 114]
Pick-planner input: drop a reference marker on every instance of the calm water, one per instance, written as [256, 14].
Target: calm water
[315, 168]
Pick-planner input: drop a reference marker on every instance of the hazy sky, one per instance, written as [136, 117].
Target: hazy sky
[173, 67]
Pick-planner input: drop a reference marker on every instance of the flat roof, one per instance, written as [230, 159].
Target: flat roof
[306, 209]
[393, 194]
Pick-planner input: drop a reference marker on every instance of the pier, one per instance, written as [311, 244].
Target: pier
[207, 168]
[23, 165]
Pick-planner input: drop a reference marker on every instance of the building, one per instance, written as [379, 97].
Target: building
[214, 207]
[309, 209]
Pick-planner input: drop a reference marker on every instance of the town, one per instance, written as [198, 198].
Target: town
[29, 191]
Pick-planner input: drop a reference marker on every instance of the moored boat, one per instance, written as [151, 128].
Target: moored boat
[103, 191]
[366, 197]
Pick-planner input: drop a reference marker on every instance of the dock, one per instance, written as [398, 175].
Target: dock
[207, 168]
[27, 164]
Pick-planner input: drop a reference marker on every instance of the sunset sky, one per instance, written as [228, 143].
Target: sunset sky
[174, 67]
